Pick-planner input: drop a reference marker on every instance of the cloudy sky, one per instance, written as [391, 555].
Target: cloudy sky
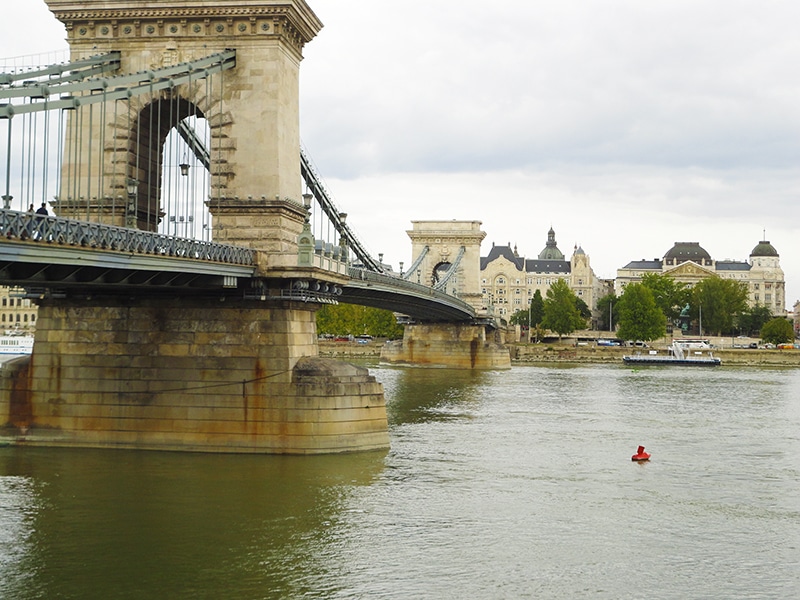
[625, 125]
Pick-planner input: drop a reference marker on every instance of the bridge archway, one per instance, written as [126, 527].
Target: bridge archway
[149, 155]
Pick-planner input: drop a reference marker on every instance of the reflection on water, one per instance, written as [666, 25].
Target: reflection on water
[512, 484]
[166, 525]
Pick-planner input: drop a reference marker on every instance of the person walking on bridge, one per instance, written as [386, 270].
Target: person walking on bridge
[42, 211]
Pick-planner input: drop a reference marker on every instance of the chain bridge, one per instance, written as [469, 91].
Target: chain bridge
[159, 208]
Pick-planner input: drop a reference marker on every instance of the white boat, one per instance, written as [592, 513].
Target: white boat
[679, 354]
[16, 344]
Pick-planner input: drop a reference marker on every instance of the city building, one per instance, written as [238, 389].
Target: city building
[509, 281]
[690, 263]
[17, 314]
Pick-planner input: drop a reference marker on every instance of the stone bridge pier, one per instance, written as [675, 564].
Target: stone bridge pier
[187, 374]
[453, 345]
[438, 247]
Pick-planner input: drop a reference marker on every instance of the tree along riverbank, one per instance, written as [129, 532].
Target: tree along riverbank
[547, 353]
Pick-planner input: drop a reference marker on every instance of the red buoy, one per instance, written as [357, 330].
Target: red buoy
[640, 455]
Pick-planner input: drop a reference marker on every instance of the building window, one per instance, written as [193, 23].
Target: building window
[767, 298]
[580, 292]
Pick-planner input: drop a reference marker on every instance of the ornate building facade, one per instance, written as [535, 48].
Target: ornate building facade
[509, 281]
[17, 314]
[690, 263]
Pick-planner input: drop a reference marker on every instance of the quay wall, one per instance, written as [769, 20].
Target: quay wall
[547, 353]
[523, 353]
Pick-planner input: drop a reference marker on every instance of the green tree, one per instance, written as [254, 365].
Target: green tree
[753, 319]
[670, 295]
[519, 318]
[721, 301]
[537, 308]
[532, 315]
[777, 331]
[561, 312]
[351, 319]
[607, 310]
[583, 308]
[640, 318]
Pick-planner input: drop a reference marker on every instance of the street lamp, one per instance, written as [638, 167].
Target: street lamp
[342, 238]
[7, 201]
[133, 193]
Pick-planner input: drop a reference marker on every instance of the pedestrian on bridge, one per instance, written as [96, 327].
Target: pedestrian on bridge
[42, 210]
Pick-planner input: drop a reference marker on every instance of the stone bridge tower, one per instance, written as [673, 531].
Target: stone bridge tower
[252, 110]
[444, 241]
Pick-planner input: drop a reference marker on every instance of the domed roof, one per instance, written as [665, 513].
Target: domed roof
[682, 251]
[764, 248]
[551, 251]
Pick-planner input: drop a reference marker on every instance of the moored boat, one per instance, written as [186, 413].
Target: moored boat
[16, 344]
[678, 355]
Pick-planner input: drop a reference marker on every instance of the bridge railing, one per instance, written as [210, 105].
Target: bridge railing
[396, 282]
[48, 229]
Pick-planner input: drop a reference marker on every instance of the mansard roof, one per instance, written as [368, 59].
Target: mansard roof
[732, 265]
[652, 265]
[502, 252]
[547, 266]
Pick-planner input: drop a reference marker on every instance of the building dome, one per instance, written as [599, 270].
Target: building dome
[551, 251]
[683, 251]
[764, 248]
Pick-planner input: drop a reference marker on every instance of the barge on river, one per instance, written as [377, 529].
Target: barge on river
[679, 355]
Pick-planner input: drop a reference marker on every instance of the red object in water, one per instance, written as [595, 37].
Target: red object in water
[640, 454]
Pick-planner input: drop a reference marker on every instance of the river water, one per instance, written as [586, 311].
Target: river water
[513, 484]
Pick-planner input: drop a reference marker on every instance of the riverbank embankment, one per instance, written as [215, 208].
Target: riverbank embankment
[532, 353]
[549, 353]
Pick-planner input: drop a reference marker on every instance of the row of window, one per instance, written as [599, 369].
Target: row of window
[17, 318]
[15, 302]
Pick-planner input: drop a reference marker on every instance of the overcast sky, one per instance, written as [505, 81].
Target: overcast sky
[625, 125]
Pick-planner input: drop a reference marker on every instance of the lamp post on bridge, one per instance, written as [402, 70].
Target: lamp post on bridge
[130, 212]
[7, 201]
[342, 239]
